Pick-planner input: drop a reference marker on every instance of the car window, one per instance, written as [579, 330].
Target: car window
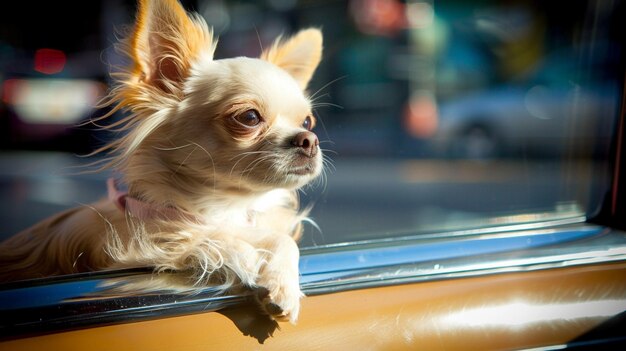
[434, 117]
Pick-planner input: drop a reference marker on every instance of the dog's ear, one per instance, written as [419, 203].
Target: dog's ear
[165, 41]
[298, 55]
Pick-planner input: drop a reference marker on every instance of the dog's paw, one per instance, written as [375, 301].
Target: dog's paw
[280, 298]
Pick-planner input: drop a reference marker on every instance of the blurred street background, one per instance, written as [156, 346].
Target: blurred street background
[361, 199]
[437, 115]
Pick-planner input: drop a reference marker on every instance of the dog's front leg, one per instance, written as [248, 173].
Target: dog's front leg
[279, 280]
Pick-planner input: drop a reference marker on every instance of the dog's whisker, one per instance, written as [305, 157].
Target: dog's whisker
[261, 161]
[328, 151]
[248, 153]
[315, 99]
[172, 148]
[329, 166]
[326, 104]
[77, 258]
[303, 191]
[184, 160]
[206, 152]
[326, 86]
[273, 176]
[250, 168]
[244, 156]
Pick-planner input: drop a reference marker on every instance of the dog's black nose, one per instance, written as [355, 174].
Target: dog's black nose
[308, 143]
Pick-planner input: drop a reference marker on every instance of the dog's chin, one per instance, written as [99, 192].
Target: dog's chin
[297, 179]
[307, 170]
[293, 179]
[302, 170]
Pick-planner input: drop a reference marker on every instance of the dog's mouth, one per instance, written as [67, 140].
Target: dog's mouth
[287, 168]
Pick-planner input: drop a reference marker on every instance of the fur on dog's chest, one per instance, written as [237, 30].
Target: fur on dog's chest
[262, 213]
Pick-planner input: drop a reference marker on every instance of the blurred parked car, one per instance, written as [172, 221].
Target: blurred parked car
[546, 115]
[53, 69]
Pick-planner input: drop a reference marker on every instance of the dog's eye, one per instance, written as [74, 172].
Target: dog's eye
[308, 123]
[249, 118]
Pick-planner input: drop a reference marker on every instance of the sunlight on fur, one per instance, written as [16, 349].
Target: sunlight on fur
[212, 154]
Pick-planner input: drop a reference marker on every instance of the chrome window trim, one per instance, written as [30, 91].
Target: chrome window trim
[572, 219]
[103, 298]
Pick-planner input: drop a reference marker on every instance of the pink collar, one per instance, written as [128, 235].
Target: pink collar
[143, 210]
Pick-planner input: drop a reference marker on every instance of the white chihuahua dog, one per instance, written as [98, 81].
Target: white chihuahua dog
[212, 155]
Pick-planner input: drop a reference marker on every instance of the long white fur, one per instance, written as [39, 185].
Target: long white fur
[179, 149]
